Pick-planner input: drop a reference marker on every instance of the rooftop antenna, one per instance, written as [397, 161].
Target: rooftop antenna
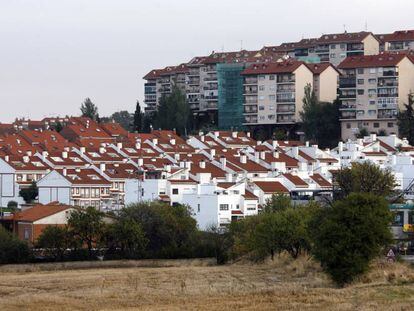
[241, 45]
[344, 28]
[366, 26]
[222, 48]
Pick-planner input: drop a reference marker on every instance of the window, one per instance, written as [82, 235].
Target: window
[224, 207]
[271, 107]
[376, 125]
[198, 208]
[360, 71]
[360, 81]
[372, 81]
[261, 88]
[333, 46]
[272, 77]
[272, 97]
[26, 233]
[262, 77]
[348, 125]
[372, 70]
[360, 92]
[372, 102]
[261, 107]
[398, 219]
[333, 55]
[372, 112]
[390, 124]
[343, 46]
[261, 97]
[175, 191]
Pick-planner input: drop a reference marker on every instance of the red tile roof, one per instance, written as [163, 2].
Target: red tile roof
[296, 180]
[40, 211]
[321, 181]
[287, 66]
[369, 61]
[271, 187]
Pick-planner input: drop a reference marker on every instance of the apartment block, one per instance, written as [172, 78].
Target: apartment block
[372, 91]
[161, 81]
[273, 92]
[332, 48]
[397, 41]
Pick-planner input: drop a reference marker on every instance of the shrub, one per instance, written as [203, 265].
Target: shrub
[12, 250]
[55, 241]
[350, 234]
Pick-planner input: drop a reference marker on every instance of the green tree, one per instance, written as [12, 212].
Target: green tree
[89, 110]
[127, 235]
[277, 202]
[364, 177]
[320, 120]
[29, 194]
[138, 122]
[170, 230]
[350, 234]
[87, 226]
[124, 118]
[362, 133]
[173, 112]
[12, 250]
[406, 120]
[12, 205]
[55, 240]
[220, 238]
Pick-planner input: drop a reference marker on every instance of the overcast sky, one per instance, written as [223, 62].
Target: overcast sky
[55, 53]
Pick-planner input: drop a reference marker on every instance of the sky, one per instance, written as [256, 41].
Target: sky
[55, 53]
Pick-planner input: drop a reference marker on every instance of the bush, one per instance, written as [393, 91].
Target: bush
[55, 241]
[29, 194]
[350, 234]
[12, 250]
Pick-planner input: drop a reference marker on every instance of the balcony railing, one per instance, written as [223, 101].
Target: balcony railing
[213, 78]
[249, 120]
[250, 81]
[211, 97]
[347, 95]
[285, 79]
[348, 115]
[348, 106]
[285, 99]
[387, 82]
[347, 82]
[355, 47]
[387, 114]
[250, 110]
[390, 73]
[285, 119]
[386, 106]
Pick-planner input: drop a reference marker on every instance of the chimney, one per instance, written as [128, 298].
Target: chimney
[140, 162]
[373, 137]
[45, 154]
[340, 146]
[102, 150]
[137, 145]
[223, 162]
[202, 138]
[263, 155]
[26, 159]
[275, 144]
[229, 177]
[259, 142]
[234, 134]
[168, 168]
[82, 150]
[360, 141]
[6, 158]
[188, 164]
[177, 157]
[216, 134]
[307, 143]
[119, 146]
[65, 171]
[243, 159]
[212, 153]
[155, 141]
[276, 154]
[202, 164]
[256, 156]
[248, 134]
[64, 154]
[102, 167]
[29, 153]
[172, 141]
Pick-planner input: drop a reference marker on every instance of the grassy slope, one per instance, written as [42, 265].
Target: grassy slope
[281, 285]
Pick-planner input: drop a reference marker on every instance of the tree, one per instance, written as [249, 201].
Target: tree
[87, 226]
[173, 112]
[347, 236]
[58, 127]
[277, 202]
[406, 120]
[364, 177]
[138, 122]
[12, 250]
[220, 239]
[89, 110]
[124, 118]
[362, 133]
[12, 205]
[320, 120]
[127, 235]
[29, 194]
[55, 240]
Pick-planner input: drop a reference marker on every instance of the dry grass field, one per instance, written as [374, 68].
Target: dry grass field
[281, 285]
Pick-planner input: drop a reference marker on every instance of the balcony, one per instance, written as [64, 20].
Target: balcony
[285, 109]
[285, 79]
[347, 82]
[347, 106]
[387, 92]
[164, 90]
[210, 79]
[343, 94]
[355, 47]
[387, 82]
[285, 119]
[386, 106]
[390, 73]
[250, 109]
[285, 98]
[194, 81]
[211, 87]
[211, 97]
[249, 99]
[250, 120]
[164, 81]
[250, 81]
[250, 91]
[322, 49]
[348, 115]
[282, 88]
[387, 114]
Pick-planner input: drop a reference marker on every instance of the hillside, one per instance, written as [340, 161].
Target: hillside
[282, 285]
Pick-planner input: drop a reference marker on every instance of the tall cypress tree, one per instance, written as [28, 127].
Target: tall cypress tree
[138, 118]
[406, 120]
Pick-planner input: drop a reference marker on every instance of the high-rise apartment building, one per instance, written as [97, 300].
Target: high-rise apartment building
[372, 90]
[397, 41]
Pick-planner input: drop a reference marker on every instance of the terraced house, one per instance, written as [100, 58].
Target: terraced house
[372, 91]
